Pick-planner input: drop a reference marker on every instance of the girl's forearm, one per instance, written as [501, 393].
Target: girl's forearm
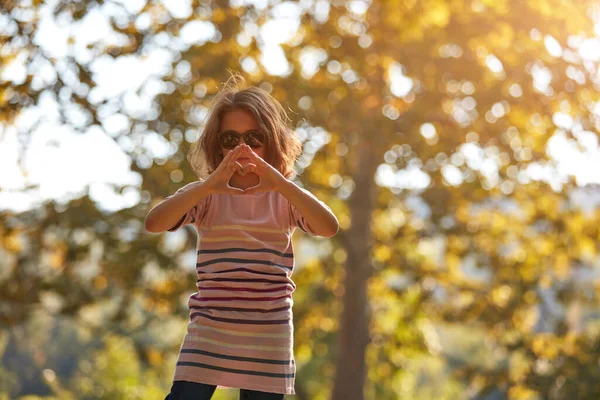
[168, 212]
[320, 219]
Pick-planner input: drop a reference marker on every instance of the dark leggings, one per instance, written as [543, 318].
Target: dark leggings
[184, 390]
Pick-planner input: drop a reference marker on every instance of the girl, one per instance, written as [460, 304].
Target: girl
[244, 209]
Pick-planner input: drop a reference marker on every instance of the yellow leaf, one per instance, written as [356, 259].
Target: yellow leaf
[501, 295]
[570, 343]
[439, 14]
[218, 15]
[12, 243]
[57, 258]
[303, 353]
[522, 393]
[544, 345]
[100, 282]
[561, 264]
[587, 249]
[453, 263]
[382, 253]
[165, 287]
[155, 358]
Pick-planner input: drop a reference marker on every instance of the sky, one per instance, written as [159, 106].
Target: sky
[63, 162]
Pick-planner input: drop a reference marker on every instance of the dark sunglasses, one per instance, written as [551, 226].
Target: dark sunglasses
[230, 139]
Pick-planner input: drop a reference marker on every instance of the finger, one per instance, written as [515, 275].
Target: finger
[234, 190]
[243, 171]
[247, 169]
[258, 171]
[249, 151]
[260, 163]
[254, 189]
[225, 164]
[234, 154]
[244, 151]
[254, 158]
[228, 168]
[234, 167]
[231, 153]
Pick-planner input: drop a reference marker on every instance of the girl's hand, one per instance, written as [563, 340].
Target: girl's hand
[269, 178]
[218, 181]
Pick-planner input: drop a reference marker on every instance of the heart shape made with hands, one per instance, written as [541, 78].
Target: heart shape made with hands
[245, 170]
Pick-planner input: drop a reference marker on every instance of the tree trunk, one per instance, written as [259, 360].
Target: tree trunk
[354, 328]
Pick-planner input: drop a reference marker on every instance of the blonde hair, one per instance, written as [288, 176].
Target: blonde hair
[282, 147]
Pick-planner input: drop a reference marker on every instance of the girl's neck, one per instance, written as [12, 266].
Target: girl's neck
[244, 182]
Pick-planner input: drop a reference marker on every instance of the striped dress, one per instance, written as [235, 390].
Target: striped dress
[240, 333]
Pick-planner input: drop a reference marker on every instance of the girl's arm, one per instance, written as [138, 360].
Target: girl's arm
[316, 214]
[321, 220]
[169, 211]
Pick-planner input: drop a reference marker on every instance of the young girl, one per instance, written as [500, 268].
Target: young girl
[245, 209]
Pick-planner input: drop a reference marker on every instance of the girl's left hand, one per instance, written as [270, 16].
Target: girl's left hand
[269, 178]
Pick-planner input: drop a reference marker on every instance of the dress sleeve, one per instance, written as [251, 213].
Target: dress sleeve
[196, 214]
[297, 219]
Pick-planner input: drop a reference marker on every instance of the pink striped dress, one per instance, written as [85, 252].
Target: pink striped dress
[240, 333]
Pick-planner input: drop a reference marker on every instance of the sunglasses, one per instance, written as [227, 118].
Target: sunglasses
[230, 139]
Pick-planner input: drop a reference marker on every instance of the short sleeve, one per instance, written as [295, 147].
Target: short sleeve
[297, 219]
[196, 214]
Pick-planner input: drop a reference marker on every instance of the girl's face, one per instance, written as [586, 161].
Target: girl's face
[240, 121]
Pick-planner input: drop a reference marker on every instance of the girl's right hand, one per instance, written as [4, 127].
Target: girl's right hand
[218, 181]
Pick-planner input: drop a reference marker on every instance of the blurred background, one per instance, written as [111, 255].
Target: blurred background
[456, 141]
